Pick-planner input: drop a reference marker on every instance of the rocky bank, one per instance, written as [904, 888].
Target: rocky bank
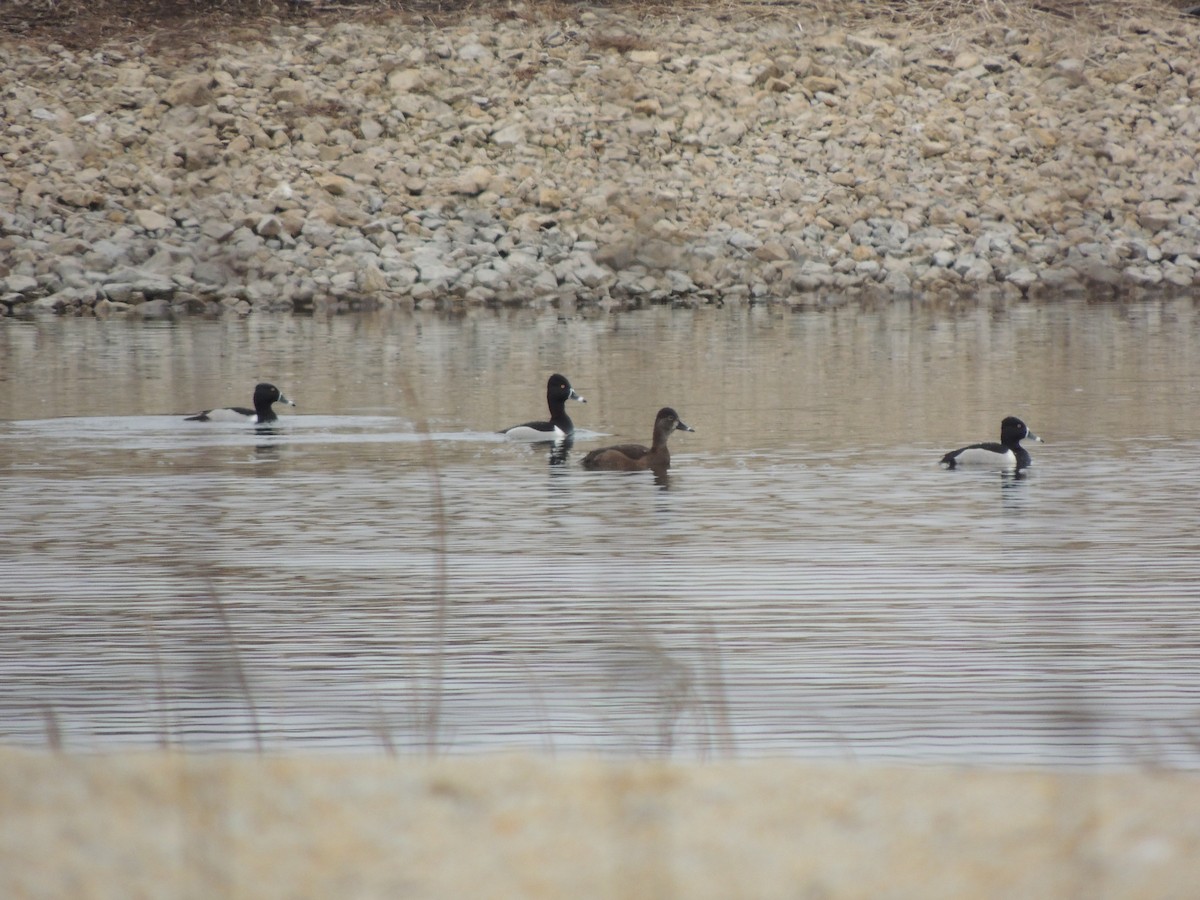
[599, 156]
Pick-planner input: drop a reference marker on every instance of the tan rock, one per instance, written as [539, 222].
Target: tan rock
[293, 221]
[152, 221]
[371, 280]
[474, 180]
[820, 84]
[405, 81]
[772, 251]
[269, 226]
[549, 197]
[314, 132]
[289, 90]
[1045, 137]
[337, 185]
[190, 90]
[81, 197]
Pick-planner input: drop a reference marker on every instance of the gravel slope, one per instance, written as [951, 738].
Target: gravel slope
[599, 156]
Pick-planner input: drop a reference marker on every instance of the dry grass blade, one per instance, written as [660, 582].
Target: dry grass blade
[718, 701]
[53, 732]
[430, 704]
[160, 683]
[239, 671]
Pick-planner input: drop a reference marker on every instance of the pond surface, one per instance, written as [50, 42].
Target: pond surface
[380, 570]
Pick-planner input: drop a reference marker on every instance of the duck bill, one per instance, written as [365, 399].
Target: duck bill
[682, 426]
[1030, 436]
[575, 396]
[283, 399]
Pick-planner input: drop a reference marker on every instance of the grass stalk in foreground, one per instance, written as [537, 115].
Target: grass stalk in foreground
[239, 671]
[432, 717]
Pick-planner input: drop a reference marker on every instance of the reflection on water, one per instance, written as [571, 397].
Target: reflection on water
[384, 570]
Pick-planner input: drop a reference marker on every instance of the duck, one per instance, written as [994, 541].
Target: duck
[558, 392]
[264, 395]
[635, 457]
[1008, 454]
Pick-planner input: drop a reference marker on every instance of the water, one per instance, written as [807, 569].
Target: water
[380, 570]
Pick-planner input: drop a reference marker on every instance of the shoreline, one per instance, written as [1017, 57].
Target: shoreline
[169, 824]
[602, 159]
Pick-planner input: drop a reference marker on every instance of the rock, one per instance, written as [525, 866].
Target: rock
[502, 159]
[1096, 272]
[1144, 276]
[1155, 216]
[865, 44]
[293, 221]
[335, 185]
[190, 90]
[432, 270]
[588, 271]
[314, 132]
[152, 221]
[771, 251]
[743, 240]
[549, 197]
[153, 309]
[820, 84]
[217, 231]
[473, 181]
[289, 90]
[371, 281]
[1022, 278]
[370, 129]
[404, 81]
[509, 136]
[211, 272]
[1180, 276]
[474, 52]
[280, 195]
[81, 197]
[269, 226]
[19, 284]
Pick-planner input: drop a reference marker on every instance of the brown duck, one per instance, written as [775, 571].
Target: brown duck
[635, 457]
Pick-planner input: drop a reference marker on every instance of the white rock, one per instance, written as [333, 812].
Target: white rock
[19, 284]
[588, 271]
[1022, 277]
[509, 136]
[644, 57]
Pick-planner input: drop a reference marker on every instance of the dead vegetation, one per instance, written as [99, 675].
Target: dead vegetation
[84, 24]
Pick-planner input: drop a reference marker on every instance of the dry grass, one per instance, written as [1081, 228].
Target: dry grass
[620, 41]
[80, 24]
